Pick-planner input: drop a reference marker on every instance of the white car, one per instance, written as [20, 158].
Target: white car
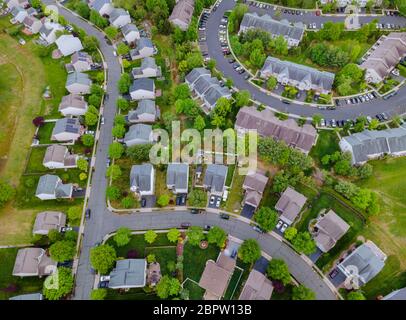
[102, 120]
[284, 227]
[212, 200]
[21, 41]
[115, 53]
[218, 202]
[279, 224]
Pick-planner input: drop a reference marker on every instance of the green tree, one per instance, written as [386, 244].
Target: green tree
[87, 140]
[167, 287]
[82, 176]
[139, 152]
[271, 83]
[58, 284]
[151, 258]
[150, 236]
[127, 202]
[122, 236]
[7, 192]
[316, 119]
[163, 200]
[217, 236]
[83, 9]
[94, 100]
[173, 235]
[181, 91]
[373, 124]
[111, 32]
[114, 172]
[119, 119]
[266, 218]
[356, 295]
[98, 294]
[278, 270]
[113, 193]
[62, 250]
[304, 243]
[118, 131]
[97, 19]
[242, 98]
[82, 164]
[290, 233]
[197, 198]
[122, 49]
[195, 235]
[365, 171]
[54, 235]
[199, 123]
[257, 58]
[249, 251]
[302, 293]
[124, 83]
[103, 258]
[91, 118]
[122, 103]
[116, 150]
[74, 214]
[90, 43]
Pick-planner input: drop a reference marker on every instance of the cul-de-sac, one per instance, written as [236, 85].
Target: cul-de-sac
[203, 150]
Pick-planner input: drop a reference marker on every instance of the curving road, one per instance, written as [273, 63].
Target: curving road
[394, 105]
[104, 221]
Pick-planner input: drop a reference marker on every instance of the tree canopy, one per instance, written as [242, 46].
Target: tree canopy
[103, 258]
[249, 251]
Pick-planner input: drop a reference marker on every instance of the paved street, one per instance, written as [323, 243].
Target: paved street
[396, 104]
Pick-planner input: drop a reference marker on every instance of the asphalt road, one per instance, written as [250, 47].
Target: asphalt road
[394, 105]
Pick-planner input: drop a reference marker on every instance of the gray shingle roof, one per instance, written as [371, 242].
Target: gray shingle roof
[98, 4]
[177, 175]
[128, 273]
[193, 75]
[140, 176]
[47, 184]
[290, 204]
[129, 28]
[78, 77]
[144, 106]
[139, 131]
[142, 84]
[396, 295]
[183, 11]
[144, 42]
[116, 13]
[71, 125]
[215, 177]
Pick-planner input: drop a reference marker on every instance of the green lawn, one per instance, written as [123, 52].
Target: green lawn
[12, 286]
[195, 260]
[195, 292]
[132, 294]
[123, 183]
[45, 132]
[285, 295]
[34, 164]
[327, 143]
[235, 194]
[163, 255]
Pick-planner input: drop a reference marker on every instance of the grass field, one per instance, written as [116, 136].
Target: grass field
[45, 132]
[195, 260]
[12, 286]
[235, 194]
[34, 164]
[327, 143]
[195, 292]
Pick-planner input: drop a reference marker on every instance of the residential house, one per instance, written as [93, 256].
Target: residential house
[359, 3]
[19, 14]
[298, 75]
[257, 287]
[48, 31]
[371, 144]
[17, 3]
[383, 57]
[215, 178]
[293, 34]
[51, 187]
[363, 264]
[177, 177]
[68, 44]
[119, 17]
[130, 33]
[143, 88]
[153, 274]
[146, 111]
[289, 205]
[32, 25]
[216, 277]
[267, 125]
[73, 105]
[396, 295]
[142, 179]
[328, 229]
[67, 129]
[148, 69]
[31, 262]
[103, 7]
[182, 14]
[254, 186]
[128, 273]
[29, 296]
[78, 83]
[206, 87]
[81, 61]
[48, 220]
[139, 134]
[59, 157]
[143, 48]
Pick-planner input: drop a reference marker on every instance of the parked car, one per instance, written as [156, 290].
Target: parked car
[194, 211]
[258, 229]
[284, 227]
[207, 227]
[212, 198]
[143, 202]
[218, 202]
[87, 214]
[185, 225]
[21, 41]
[224, 216]
[279, 224]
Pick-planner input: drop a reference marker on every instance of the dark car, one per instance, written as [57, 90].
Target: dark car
[207, 227]
[224, 216]
[246, 77]
[87, 213]
[103, 284]
[258, 229]
[241, 71]
[194, 211]
[285, 101]
[183, 199]
[177, 201]
[185, 225]
[231, 60]
[143, 202]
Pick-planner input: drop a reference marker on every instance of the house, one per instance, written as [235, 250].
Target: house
[297, 75]
[59, 157]
[148, 69]
[67, 129]
[254, 186]
[396, 295]
[293, 34]
[68, 44]
[48, 220]
[146, 111]
[130, 33]
[216, 276]
[103, 7]
[128, 273]
[267, 125]
[359, 3]
[328, 230]
[29, 296]
[143, 88]
[119, 17]
[139, 134]
[17, 3]
[19, 14]
[142, 179]
[32, 24]
[182, 14]
[50, 187]
[143, 48]
[153, 274]
[48, 31]
[81, 61]
[177, 177]
[363, 264]
[32, 262]
[206, 87]
[384, 56]
[73, 105]
[215, 178]
[257, 287]
[289, 205]
[371, 144]
[78, 83]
